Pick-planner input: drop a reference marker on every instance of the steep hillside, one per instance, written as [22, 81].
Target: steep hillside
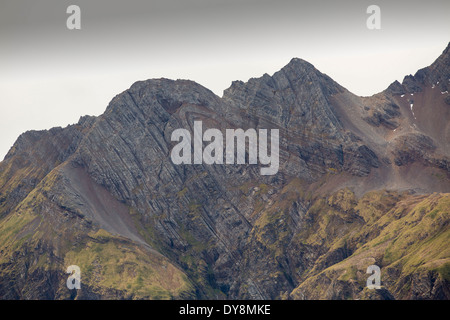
[361, 181]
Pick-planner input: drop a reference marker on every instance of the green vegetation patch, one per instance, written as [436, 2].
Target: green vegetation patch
[111, 263]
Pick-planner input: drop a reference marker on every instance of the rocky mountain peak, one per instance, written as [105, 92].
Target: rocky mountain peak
[297, 75]
[361, 181]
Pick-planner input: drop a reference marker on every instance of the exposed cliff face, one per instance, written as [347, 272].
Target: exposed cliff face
[104, 194]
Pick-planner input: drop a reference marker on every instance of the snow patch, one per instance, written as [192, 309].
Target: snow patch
[412, 105]
[402, 95]
[444, 92]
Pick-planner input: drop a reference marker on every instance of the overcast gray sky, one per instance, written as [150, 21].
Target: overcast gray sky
[50, 76]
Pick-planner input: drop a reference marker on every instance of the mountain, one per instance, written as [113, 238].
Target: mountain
[361, 181]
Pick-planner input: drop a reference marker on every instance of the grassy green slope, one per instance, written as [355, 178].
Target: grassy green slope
[39, 240]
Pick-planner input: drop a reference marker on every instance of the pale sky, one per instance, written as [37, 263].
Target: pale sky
[50, 76]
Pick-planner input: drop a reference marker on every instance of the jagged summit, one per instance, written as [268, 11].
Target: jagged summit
[296, 73]
[435, 75]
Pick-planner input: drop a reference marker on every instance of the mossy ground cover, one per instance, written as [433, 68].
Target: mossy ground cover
[402, 232]
[110, 262]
